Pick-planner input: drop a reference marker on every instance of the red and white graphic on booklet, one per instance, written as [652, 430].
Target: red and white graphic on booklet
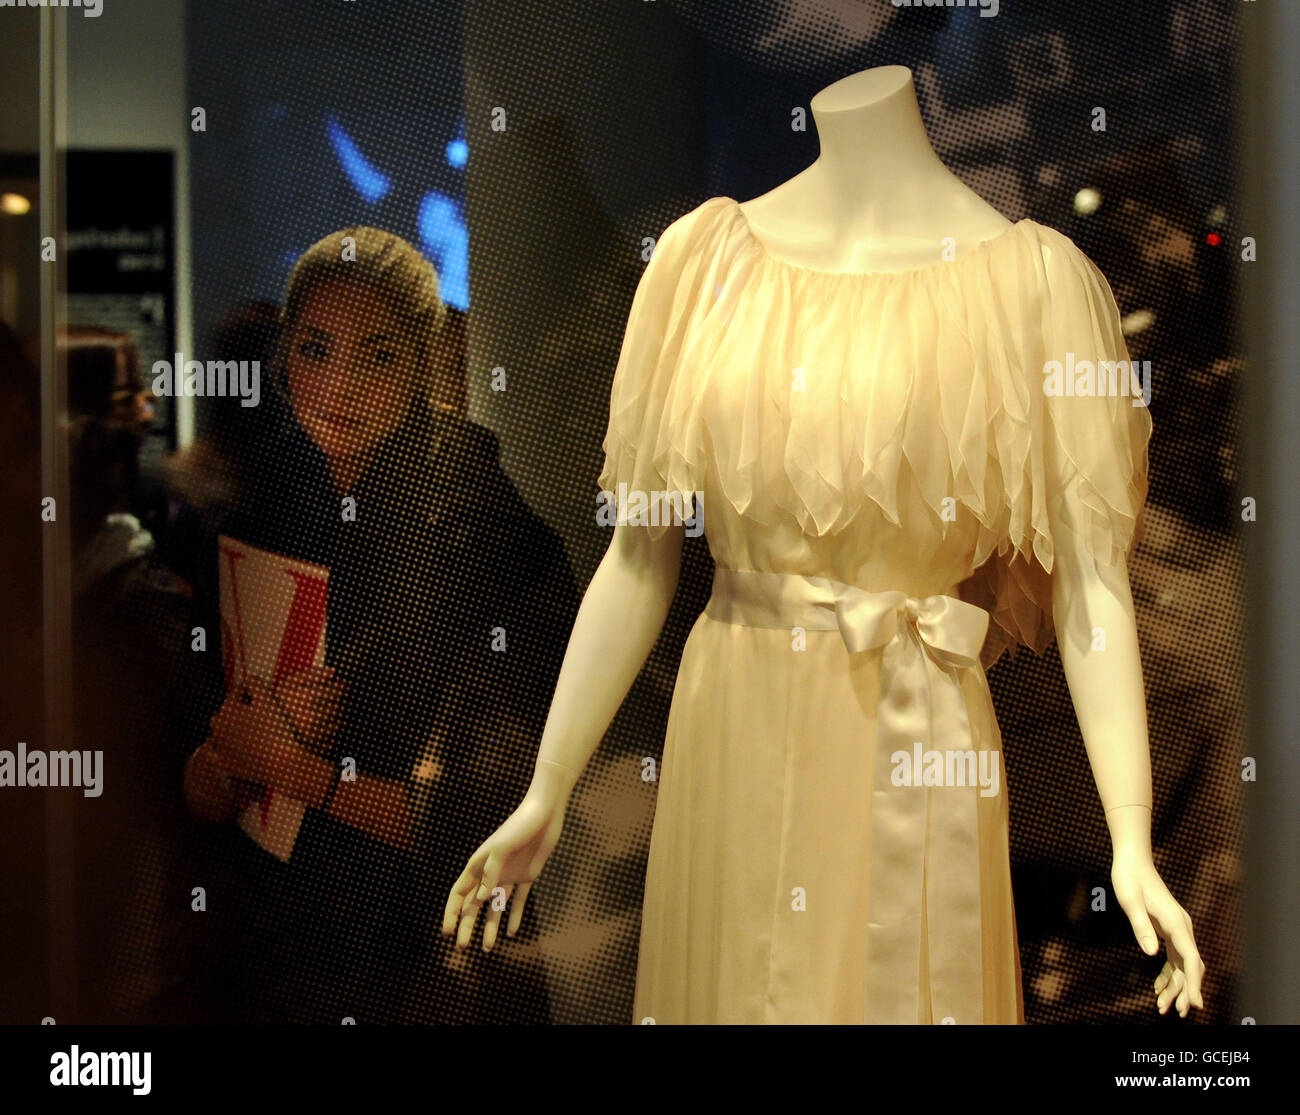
[272, 626]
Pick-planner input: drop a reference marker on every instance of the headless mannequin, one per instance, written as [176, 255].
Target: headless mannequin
[876, 199]
[846, 212]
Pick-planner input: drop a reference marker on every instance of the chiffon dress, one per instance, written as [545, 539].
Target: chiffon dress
[885, 464]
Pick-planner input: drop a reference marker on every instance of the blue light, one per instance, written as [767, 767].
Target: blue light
[370, 183]
[457, 153]
[446, 240]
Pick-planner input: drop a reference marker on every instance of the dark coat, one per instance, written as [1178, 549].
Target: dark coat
[443, 552]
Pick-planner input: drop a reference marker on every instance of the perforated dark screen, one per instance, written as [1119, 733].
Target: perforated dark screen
[590, 127]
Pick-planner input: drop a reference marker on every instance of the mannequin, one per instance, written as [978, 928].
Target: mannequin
[846, 212]
[876, 200]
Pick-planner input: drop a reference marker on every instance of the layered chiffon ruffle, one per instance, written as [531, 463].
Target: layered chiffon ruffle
[791, 392]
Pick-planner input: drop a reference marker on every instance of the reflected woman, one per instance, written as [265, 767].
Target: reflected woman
[447, 610]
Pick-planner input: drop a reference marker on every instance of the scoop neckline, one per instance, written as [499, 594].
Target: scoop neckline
[766, 253]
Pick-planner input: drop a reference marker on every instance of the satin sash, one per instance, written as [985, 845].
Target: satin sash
[924, 840]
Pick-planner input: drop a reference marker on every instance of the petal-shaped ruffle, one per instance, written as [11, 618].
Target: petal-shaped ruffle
[811, 393]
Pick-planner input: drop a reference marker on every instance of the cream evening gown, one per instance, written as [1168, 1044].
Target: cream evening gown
[880, 459]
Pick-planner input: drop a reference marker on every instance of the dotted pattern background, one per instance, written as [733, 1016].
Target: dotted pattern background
[620, 118]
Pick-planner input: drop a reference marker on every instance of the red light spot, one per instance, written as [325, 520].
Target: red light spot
[1212, 238]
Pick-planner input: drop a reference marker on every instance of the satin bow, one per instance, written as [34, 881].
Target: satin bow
[924, 855]
[924, 840]
[951, 628]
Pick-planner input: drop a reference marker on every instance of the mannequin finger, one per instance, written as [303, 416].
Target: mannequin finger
[517, 909]
[1181, 942]
[490, 929]
[464, 886]
[467, 881]
[1144, 931]
[491, 876]
[468, 916]
[495, 900]
[493, 919]
[1194, 966]
[453, 912]
[467, 919]
[1170, 993]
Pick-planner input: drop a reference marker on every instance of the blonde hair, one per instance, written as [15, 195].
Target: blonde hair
[376, 260]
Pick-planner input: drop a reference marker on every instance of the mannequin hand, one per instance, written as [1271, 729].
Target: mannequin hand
[1146, 900]
[515, 853]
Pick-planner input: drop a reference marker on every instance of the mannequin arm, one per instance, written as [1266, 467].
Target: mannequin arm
[1091, 601]
[620, 618]
[618, 622]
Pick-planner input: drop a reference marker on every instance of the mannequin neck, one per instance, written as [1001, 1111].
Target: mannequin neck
[877, 198]
[874, 150]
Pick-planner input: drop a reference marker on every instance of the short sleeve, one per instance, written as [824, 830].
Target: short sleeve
[1086, 461]
[651, 443]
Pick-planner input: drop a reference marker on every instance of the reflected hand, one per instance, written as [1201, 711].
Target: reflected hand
[1151, 909]
[209, 790]
[313, 701]
[255, 740]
